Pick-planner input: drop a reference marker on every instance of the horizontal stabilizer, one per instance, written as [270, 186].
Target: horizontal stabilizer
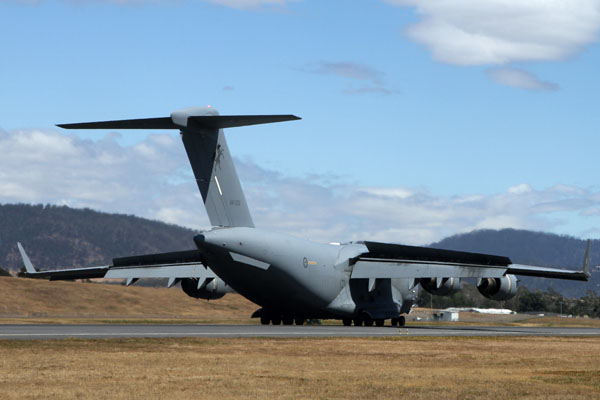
[232, 121]
[145, 123]
[198, 122]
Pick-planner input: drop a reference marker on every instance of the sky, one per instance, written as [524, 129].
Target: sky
[420, 119]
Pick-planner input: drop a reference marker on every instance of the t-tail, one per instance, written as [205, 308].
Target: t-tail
[202, 135]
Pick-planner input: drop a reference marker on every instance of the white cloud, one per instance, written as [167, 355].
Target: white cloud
[500, 32]
[50, 167]
[520, 189]
[521, 79]
[399, 214]
[474, 32]
[401, 193]
[156, 182]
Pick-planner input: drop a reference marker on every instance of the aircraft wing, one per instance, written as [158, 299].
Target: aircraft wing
[399, 261]
[174, 266]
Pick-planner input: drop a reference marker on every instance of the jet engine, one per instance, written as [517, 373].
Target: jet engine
[503, 288]
[447, 286]
[212, 289]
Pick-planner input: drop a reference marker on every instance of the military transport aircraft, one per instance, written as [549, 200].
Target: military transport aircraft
[292, 279]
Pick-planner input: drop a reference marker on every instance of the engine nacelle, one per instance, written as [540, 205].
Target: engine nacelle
[500, 289]
[214, 289]
[448, 286]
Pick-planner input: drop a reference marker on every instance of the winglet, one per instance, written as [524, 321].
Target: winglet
[28, 265]
[586, 260]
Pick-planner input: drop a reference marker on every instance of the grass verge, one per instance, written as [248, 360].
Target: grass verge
[418, 368]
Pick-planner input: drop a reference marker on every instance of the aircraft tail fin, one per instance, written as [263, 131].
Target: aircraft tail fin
[202, 135]
[212, 163]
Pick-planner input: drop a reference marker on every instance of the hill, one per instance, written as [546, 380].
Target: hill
[59, 236]
[535, 248]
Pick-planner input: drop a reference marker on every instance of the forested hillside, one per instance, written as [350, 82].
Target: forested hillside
[535, 248]
[58, 236]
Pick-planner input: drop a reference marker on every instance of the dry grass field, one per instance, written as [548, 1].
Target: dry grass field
[403, 367]
[408, 367]
[39, 301]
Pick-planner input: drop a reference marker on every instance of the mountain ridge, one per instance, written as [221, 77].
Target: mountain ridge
[60, 236]
[533, 248]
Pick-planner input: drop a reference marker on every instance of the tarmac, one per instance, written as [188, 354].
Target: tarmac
[107, 331]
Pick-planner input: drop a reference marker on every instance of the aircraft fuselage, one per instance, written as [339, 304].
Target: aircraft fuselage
[299, 277]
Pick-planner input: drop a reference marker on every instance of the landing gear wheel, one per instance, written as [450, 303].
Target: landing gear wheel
[276, 321]
[288, 320]
[264, 319]
[379, 322]
[402, 321]
[368, 321]
[300, 321]
[347, 321]
[395, 321]
[358, 321]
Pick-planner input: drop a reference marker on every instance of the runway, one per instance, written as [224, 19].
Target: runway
[106, 331]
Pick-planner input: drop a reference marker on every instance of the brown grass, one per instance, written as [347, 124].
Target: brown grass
[418, 368]
[40, 301]
[33, 300]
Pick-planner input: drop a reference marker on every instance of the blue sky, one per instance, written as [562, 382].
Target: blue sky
[420, 119]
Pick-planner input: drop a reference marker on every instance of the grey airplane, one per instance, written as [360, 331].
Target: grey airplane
[293, 279]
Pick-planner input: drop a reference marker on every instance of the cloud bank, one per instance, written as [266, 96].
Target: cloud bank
[472, 32]
[152, 179]
[500, 32]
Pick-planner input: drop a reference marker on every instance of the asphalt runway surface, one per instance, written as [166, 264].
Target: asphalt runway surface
[106, 331]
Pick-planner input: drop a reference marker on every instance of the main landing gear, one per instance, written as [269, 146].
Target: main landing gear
[365, 319]
[368, 321]
[276, 319]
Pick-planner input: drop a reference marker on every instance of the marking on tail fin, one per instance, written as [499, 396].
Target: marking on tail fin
[218, 156]
[218, 186]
